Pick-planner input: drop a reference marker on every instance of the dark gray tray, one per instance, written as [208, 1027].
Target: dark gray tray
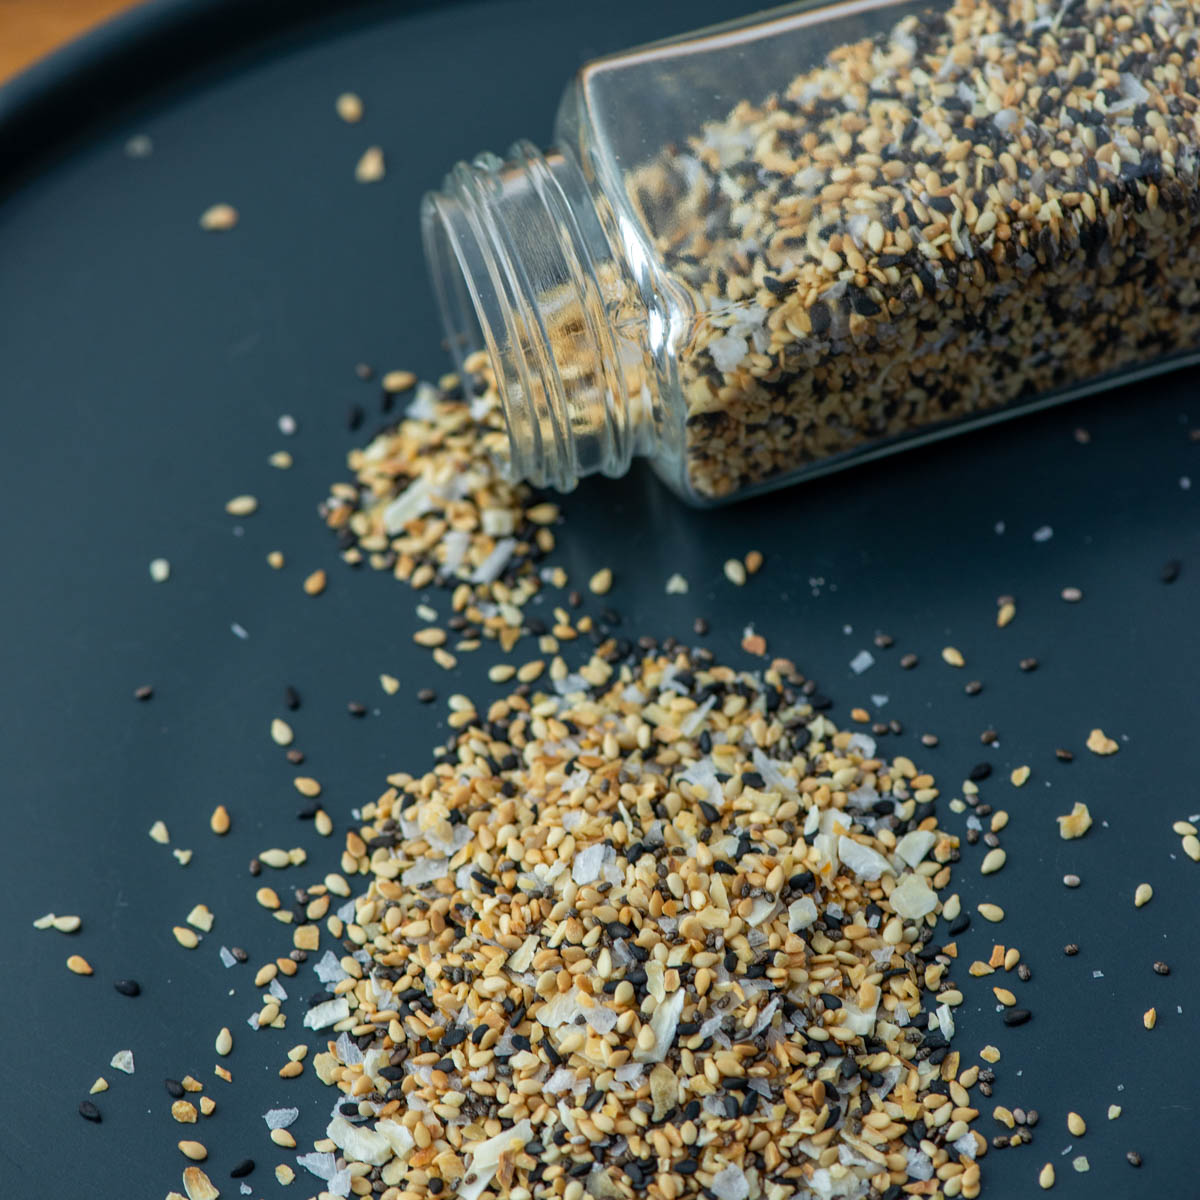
[142, 369]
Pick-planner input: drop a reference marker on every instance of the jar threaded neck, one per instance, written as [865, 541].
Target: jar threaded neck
[521, 267]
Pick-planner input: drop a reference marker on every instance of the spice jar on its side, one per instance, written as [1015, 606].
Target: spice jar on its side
[794, 242]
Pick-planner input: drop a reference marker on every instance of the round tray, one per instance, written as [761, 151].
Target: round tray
[143, 368]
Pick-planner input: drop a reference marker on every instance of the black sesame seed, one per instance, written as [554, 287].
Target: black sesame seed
[979, 772]
[242, 1169]
[355, 709]
[1170, 571]
[144, 692]
[1016, 1016]
[128, 987]
[89, 1112]
[426, 695]
[174, 1088]
[291, 698]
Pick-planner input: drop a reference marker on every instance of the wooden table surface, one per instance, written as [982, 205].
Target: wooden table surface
[32, 28]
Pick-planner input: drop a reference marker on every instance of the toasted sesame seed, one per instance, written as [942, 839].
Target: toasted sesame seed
[224, 1042]
[198, 1185]
[307, 786]
[1191, 847]
[1046, 1176]
[218, 218]
[370, 167]
[1150, 1018]
[735, 571]
[753, 562]
[281, 1137]
[281, 732]
[349, 107]
[68, 924]
[315, 583]
[185, 937]
[398, 381]
[1004, 996]
[953, 657]
[1076, 1124]
[993, 861]
[990, 912]
[600, 584]
[100, 1085]
[390, 684]
[1020, 776]
[184, 1112]
[219, 821]
[275, 559]
[196, 1151]
[283, 1173]
[1142, 895]
[79, 965]
[241, 506]
[1005, 614]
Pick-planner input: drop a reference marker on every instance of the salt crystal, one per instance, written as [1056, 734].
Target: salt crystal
[322, 1165]
[426, 870]
[280, 1118]
[287, 424]
[1043, 534]
[493, 566]
[586, 867]
[328, 968]
[878, 699]
[123, 1061]
[677, 585]
[347, 1050]
[239, 631]
[730, 1183]
[321, 1016]
[277, 990]
[245, 1189]
[227, 959]
[862, 661]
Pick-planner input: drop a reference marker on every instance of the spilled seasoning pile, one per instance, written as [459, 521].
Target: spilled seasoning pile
[431, 503]
[663, 926]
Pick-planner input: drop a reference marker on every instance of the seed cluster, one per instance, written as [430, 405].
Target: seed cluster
[662, 926]
[431, 504]
[984, 204]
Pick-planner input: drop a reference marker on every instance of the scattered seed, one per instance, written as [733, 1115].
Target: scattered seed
[284, 1174]
[990, 912]
[218, 218]
[1133, 1158]
[735, 571]
[973, 688]
[1020, 776]
[390, 684]
[79, 965]
[1016, 1016]
[1191, 847]
[275, 560]
[1076, 1124]
[241, 506]
[601, 582]
[158, 832]
[1142, 895]
[953, 657]
[224, 1043]
[398, 381]
[1004, 996]
[281, 1137]
[1005, 613]
[89, 1112]
[753, 562]
[1072, 595]
[370, 167]
[160, 570]
[1161, 968]
[219, 821]
[349, 107]
[314, 584]
[908, 661]
[1071, 881]
[1046, 1176]
[101, 1085]
[1150, 1018]
[1028, 664]
[1099, 743]
[198, 1185]
[69, 924]
[993, 860]
[307, 786]
[1070, 949]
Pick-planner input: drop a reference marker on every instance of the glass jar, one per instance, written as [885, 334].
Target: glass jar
[783, 245]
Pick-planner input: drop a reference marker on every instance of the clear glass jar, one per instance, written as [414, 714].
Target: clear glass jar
[773, 248]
